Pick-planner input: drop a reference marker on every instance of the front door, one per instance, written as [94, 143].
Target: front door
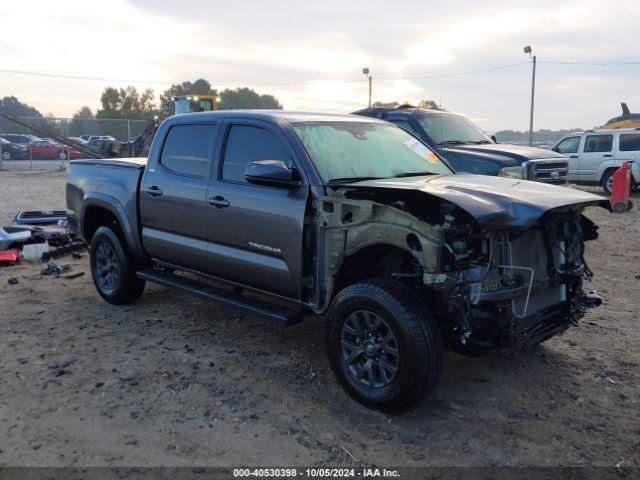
[570, 147]
[255, 232]
[597, 148]
[173, 196]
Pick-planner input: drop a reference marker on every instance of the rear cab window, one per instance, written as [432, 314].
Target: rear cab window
[188, 149]
[598, 143]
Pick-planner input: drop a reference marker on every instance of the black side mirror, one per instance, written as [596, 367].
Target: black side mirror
[495, 140]
[556, 149]
[272, 173]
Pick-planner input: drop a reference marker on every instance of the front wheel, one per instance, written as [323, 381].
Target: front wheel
[113, 268]
[6, 155]
[382, 346]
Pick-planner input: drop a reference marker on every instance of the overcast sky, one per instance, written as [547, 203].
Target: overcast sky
[310, 54]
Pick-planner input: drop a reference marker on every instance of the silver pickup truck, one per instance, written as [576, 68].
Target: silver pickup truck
[288, 214]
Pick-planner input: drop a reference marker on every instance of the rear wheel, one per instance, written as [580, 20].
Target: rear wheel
[383, 347]
[113, 268]
[6, 155]
[63, 155]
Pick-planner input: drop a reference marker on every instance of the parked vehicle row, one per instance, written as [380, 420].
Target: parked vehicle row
[595, 155]
[17, 146]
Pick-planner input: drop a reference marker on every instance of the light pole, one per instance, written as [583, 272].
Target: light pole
[365, 71]
[528, 50]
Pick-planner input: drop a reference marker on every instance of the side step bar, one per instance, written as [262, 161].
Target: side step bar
[209, 292]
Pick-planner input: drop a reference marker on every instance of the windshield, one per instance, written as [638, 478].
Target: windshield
[448, 128]
[344, 151]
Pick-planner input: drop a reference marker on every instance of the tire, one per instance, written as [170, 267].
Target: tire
[6, 155]
[607, 180]
[113, 268]
[414, 348]
[63, 155]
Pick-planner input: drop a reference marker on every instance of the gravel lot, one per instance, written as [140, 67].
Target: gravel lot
[172, 380]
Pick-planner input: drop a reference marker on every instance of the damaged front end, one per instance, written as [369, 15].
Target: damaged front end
[508, 290]
[492, 287]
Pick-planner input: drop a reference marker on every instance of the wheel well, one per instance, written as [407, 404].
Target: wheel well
[96, 217]
[375, 261]
[606, 172]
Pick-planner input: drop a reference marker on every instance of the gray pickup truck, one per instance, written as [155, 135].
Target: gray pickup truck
[287, 214]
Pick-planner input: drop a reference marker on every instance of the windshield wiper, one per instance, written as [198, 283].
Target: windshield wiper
[352, 179]
[413, 174]
[452, 142]
[481, 141]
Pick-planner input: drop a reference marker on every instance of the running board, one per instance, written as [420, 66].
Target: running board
[209, 292]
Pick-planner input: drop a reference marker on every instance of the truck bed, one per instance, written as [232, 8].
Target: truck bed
[112, 184]
[133, 162]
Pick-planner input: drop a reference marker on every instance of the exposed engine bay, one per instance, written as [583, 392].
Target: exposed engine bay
[491, 288]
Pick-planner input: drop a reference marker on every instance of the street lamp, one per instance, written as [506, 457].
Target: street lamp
[365, 71]
[529, 50]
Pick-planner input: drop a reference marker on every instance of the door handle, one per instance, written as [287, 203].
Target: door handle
[607, 155]
[573, 156]
[153, 191]
[219, 202]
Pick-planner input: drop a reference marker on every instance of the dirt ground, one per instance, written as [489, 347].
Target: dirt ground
[172, 380]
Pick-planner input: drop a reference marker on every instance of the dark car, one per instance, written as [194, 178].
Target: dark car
[13, 151]
[21, 138]
[469, 149]
[348, 217]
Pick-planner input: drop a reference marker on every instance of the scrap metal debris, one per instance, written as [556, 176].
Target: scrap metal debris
[13, 281]
[41, 236]
[40, 217]
[55, 269]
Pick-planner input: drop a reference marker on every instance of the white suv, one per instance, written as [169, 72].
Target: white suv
[594, 155]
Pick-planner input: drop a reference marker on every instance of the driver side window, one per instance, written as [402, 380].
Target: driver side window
[569, 145]
[246, 144]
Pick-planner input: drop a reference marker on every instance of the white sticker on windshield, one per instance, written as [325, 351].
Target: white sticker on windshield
[421, 150]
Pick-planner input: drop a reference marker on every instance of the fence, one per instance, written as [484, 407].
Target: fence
[120, 129]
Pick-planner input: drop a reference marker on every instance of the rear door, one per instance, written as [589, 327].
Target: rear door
[173, 196]
[570, 147]
[597, 148]
[255, 232]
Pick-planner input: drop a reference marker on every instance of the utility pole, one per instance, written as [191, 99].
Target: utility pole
[528, 50]
[366, 72]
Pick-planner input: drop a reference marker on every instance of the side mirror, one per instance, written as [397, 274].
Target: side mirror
[272, 173]
[556, 149]
[495, 140]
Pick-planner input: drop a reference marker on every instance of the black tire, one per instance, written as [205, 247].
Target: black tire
[417, 340]
[63, 155]
[113, 268]
[606, 180]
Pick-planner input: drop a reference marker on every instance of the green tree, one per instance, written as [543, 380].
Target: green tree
[83, 123]
[127, 103]
[199, 87]
[247, 98]
[14, 107]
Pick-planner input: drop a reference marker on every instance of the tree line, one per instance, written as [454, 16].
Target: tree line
[131, 104]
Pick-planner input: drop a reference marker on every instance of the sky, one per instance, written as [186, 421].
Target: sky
[310, 55]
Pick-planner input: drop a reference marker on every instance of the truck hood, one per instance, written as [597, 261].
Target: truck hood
[494, 202]
[517, 152]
